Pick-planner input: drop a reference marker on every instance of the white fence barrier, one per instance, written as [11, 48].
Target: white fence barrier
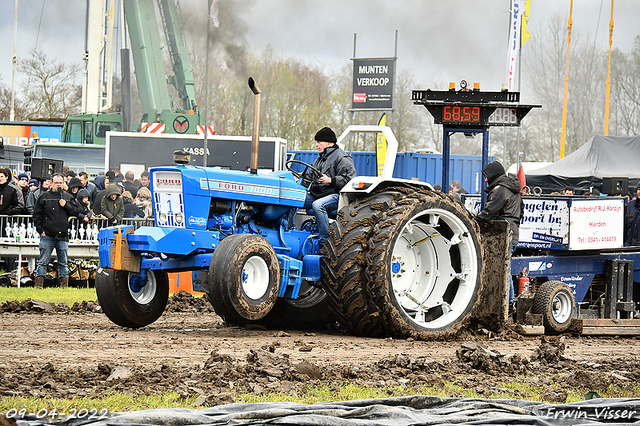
[19, 238]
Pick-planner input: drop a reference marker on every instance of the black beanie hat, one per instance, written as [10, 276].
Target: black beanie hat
[326, 135]
[75, 183]
[492, 171]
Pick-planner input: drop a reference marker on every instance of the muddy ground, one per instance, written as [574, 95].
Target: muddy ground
[57, 351]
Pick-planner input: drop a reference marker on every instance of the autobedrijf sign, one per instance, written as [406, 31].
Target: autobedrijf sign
[373, 83]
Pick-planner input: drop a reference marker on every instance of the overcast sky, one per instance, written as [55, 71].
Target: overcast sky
[438, 40]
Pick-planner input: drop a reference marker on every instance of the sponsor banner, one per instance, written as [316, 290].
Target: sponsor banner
[597, 224]
[22, 134]
[563, 223]
[373, 83]
[545, 223]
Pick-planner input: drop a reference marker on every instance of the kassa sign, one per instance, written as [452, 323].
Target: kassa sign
[373, 83]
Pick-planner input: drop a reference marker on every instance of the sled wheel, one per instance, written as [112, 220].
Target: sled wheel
[403, 262]
[128, 302]
[310, 311]
[244, 277]
[557, 304]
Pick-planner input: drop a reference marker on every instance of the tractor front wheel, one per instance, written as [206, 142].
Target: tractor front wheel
[130, 302]
[244, 277]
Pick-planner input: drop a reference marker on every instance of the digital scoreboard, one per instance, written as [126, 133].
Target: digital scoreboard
[473, 108]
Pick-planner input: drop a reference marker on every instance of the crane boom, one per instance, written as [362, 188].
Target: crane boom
[147, 46]
[182, 79]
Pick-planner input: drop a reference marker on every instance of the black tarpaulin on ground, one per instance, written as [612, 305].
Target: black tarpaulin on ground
[412, 410]
[601, 156]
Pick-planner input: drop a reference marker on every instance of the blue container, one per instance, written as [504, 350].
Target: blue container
[425, 167]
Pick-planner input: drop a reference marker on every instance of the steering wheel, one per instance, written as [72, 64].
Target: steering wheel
[309, 175]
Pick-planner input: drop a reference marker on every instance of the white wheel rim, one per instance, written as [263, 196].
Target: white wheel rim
[432, 290]
[146, 293]
[561, 307]
[255, 278]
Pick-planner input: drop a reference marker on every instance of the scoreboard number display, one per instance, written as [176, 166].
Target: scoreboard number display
[504, 117]
[472, 109]
[461, 114]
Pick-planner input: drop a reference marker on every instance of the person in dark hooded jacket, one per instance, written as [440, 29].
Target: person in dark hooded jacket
[11, 199]
[83, 200]
[112, 205]
[74, 186]
[503, 199]
[503, 203]
[101, 182]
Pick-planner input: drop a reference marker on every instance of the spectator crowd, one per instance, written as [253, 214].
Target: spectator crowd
[110, 196]
[54, 200]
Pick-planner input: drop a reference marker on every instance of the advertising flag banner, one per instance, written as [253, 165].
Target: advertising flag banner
[525, 22]
[521, 177]
[381, 146]
[514, 40]
[373, 83]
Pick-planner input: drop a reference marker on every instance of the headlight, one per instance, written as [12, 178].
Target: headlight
[361, 185]
[181, 157]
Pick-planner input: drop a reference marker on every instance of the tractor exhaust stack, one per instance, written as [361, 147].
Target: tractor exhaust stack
[255, 137]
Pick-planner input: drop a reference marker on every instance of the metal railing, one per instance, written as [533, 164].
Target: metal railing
[20, 229]
[19, 238]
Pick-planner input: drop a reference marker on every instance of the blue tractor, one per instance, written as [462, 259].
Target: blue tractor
[403, 260]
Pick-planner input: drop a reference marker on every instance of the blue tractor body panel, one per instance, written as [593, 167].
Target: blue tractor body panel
[196, 208]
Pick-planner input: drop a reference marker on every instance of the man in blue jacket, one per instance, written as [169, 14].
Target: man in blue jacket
[51, 219]
[337, 168]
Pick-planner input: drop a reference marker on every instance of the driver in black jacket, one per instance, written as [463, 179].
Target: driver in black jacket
[337, 169]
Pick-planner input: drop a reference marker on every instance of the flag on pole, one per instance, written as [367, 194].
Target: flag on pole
[381, 146]
[214, 10]
[514, 40]
[521, 177]
[525, 22]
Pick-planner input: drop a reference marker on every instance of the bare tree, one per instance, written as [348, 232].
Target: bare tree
[624, 111]
[5, 103]
[544, 67]
[51, 89]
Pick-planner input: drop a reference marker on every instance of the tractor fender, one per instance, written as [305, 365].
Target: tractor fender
[363, 185]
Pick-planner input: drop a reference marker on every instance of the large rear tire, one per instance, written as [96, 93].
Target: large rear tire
[129, 304]
[310, 311]
[244, 278]
[403, 262]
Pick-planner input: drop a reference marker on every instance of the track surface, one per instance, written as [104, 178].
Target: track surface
[82, 353]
